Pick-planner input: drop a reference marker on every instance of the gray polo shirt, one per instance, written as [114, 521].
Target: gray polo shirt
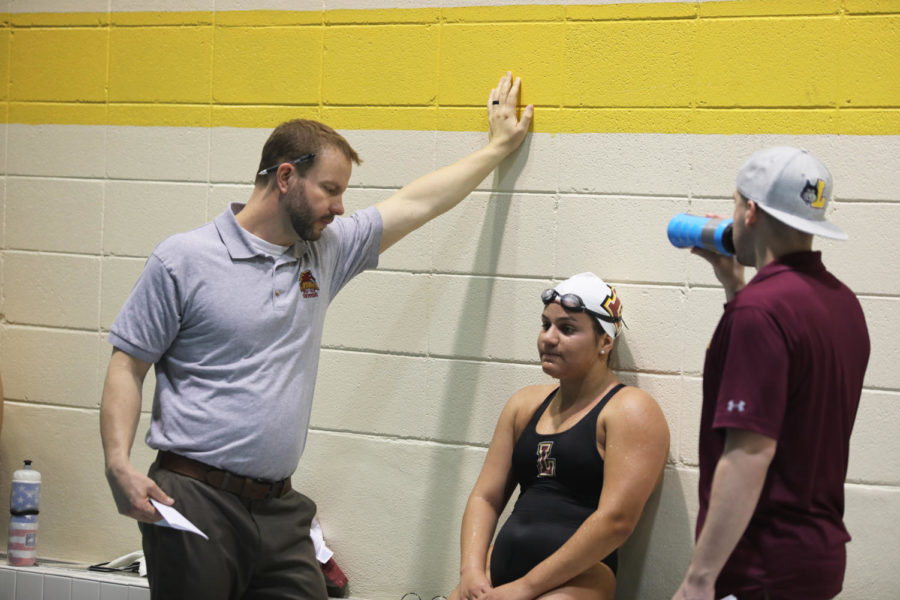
[235, 336]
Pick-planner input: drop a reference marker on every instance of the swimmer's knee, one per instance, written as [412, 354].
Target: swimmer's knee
[597, 583]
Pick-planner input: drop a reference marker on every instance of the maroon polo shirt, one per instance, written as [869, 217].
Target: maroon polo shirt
[787, 360]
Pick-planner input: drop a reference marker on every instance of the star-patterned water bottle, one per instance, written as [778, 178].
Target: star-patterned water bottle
[24, 500]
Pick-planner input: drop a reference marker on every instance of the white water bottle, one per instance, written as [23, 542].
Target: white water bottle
[24, 500]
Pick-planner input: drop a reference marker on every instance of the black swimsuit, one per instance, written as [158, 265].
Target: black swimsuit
[560, 476]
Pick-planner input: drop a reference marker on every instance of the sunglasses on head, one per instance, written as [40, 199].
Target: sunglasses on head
[574, 303]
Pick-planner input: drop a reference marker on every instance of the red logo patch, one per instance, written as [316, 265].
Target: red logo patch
[308, 285]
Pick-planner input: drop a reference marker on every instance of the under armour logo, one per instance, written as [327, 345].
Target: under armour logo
[739, 406]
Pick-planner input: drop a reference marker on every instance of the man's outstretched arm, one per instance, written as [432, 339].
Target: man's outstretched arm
[434, 194]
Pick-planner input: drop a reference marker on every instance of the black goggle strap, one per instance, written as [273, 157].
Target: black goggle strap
[602, 317]
[574, 302]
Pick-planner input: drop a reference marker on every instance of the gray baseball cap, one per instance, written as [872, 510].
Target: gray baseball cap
[793, 186]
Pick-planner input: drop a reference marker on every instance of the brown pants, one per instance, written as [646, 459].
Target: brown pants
[257, 549]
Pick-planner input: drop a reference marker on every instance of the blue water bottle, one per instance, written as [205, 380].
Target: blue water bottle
[24, 500]
[702, 232]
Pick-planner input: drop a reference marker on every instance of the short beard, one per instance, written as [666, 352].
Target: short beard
[300, 214]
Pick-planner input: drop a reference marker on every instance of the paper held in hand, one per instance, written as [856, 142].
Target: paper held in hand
[174, 519]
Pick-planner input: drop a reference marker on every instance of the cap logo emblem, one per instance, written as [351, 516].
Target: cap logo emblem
[612, 304]
[814, 194]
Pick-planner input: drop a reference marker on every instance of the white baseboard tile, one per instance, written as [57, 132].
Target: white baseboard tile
[68, 581]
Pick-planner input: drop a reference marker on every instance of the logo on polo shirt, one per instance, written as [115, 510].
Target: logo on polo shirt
[308, 285]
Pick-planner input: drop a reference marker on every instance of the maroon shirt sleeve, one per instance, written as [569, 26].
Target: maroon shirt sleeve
[754, 386]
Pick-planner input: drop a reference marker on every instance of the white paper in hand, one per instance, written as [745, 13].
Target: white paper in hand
[174, 519]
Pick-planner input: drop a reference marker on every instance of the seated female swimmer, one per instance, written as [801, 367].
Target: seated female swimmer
[587, 454]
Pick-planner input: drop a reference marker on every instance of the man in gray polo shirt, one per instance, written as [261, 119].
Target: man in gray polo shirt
[231, 315]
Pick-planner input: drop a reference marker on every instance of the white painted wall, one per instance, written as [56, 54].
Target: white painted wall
[421, 354]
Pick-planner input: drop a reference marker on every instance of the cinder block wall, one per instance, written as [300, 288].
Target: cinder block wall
[126, 121]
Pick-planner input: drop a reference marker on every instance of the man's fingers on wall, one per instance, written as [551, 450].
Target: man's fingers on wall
[527, 116]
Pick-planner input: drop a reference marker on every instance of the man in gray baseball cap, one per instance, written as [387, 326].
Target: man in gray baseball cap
[781, 385]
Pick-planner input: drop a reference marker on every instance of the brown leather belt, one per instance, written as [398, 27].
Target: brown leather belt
[245, 487]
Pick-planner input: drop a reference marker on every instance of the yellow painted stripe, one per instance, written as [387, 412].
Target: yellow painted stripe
[500, 14]
[87, 19]
[159, 18]
[770, 8]
[159, 115]
[611, 12]
[268, 18]
[41, 113]
[736, 66]
[371, 17]
[263, 116]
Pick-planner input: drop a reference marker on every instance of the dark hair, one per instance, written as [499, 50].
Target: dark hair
[598, 329]
[599, 332]
[293, 139]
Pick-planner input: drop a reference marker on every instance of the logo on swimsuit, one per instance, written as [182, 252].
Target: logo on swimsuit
[546, 466]
[308, 285]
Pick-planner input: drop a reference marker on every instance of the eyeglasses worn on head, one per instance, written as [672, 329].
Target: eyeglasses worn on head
[296, 161]
[574, 303]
